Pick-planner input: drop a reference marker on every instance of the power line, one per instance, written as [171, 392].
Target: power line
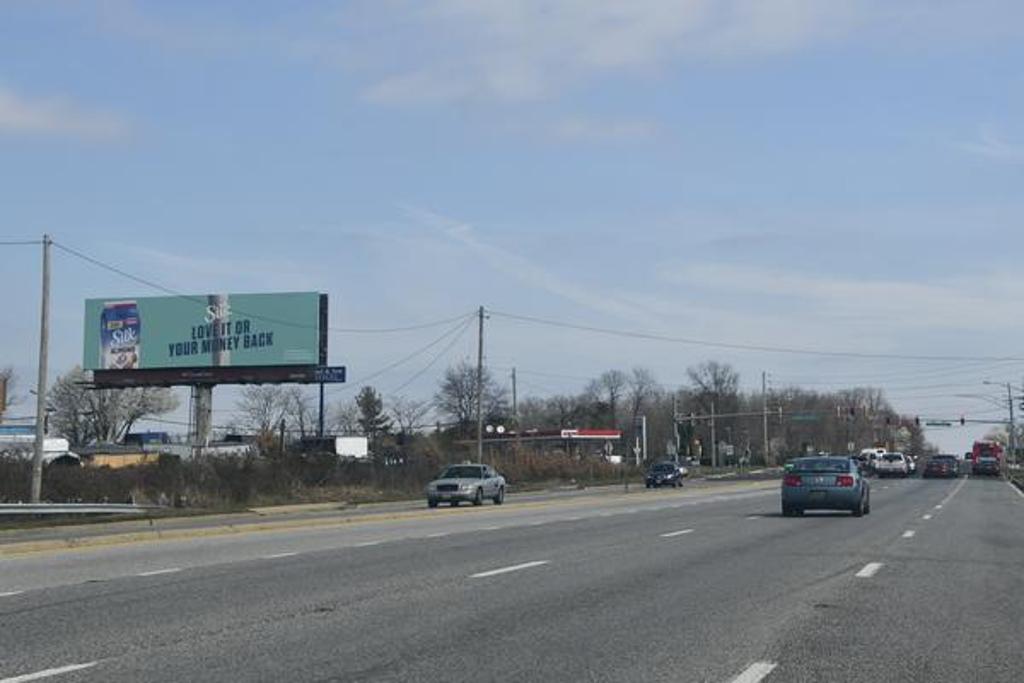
[748, 347]
[405, 359]
[171, 292]
[20, 243]
[442, 352]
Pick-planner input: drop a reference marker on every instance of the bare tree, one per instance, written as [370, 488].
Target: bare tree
[714, 381]
[642, 387]
[8, 390]
[456, 397]
[84, 415]
[607, 392]
[408, 413]
[345, 417]
[262, 407]
[299, 410]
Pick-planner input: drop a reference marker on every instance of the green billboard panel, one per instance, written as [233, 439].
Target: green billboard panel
[215, 330]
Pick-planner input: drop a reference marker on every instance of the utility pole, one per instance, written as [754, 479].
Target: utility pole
[714, 439]
[480, 390]
[675, 423]
[320, 417]
[44, 351]
[764, 406]
[515, 412]
[1013, 428]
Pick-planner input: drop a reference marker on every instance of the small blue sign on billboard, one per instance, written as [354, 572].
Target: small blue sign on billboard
[329, 375]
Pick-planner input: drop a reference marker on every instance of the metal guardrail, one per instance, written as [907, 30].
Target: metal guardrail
[7, 509]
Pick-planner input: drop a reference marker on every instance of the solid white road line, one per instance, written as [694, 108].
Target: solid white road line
[507, 570]
[909, 534]
[755, 672]
[368, 544]
[159, 572]
[277, 556]
[48, 673]
[673, 534]
[755, 517]
[926, 517]
[869, 570]
[1015, 489]
[491, 528]
[440, 534]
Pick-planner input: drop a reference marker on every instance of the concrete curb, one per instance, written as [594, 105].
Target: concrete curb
[156, 535]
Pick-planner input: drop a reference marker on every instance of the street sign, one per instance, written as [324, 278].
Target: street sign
[329, 375]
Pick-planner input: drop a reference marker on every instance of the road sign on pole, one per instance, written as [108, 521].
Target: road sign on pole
[329, 375]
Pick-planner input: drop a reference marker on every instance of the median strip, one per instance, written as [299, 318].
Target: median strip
[755, 672]
[48, 673]
[508, 570]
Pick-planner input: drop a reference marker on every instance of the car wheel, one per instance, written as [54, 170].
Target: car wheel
[500, 498]
[431, 502]
[859, 510]
[478, 499]
[867, 506]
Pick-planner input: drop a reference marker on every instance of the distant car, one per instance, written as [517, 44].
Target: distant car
[941, 466]
[825, 483]
[911, 465]
[663, 474]
[892, 465]
[472, 483]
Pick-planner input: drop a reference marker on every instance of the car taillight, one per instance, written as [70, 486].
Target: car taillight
[844, 480]
[792, 480]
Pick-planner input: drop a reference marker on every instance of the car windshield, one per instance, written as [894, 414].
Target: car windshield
[821, 465]
[664, 468]
[460, 472]
[891, 457]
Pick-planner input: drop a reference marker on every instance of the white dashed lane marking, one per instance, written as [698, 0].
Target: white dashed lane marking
[159, 572]
[508, 570]
[869, 570]
[278, 556]
[909, 534]
[926, 517]
[10, 594]
[755, 672]
[673, 534]
[48, 673]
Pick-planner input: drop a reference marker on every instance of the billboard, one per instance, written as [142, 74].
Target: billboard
[204, 331]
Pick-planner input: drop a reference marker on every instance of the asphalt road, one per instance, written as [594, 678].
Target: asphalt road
[708, 585]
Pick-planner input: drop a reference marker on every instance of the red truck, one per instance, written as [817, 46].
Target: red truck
[987, 458]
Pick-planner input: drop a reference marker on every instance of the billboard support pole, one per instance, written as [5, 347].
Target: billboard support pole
[320, 421]
[44, 351]
[203, 416]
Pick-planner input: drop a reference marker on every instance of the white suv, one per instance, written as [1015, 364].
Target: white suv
[892, 464]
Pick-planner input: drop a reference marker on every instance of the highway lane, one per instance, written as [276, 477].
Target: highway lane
[698, 592]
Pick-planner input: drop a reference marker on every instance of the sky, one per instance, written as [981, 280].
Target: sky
[837, 176]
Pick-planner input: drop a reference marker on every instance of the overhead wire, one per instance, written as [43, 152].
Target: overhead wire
[448, 347]
[650, 336]
[290, 323]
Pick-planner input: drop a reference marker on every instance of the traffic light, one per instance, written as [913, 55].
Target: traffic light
[917, 421]
[963, 421]
[888, 421]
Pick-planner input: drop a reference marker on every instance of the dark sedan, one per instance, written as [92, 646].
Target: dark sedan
[663, 474]
[941, 466]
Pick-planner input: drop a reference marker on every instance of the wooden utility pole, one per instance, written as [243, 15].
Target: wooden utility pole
[44, 350]
[480, 390]
[764, 405]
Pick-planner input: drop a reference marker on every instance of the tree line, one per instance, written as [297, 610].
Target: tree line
[799, 420]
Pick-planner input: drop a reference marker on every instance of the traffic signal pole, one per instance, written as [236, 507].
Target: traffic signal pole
[44, 351]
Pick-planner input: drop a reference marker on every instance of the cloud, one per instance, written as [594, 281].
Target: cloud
[528, 50]
[991, 146]
[56, 117]
[523, 269]
[957, 304]
[583, 129]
